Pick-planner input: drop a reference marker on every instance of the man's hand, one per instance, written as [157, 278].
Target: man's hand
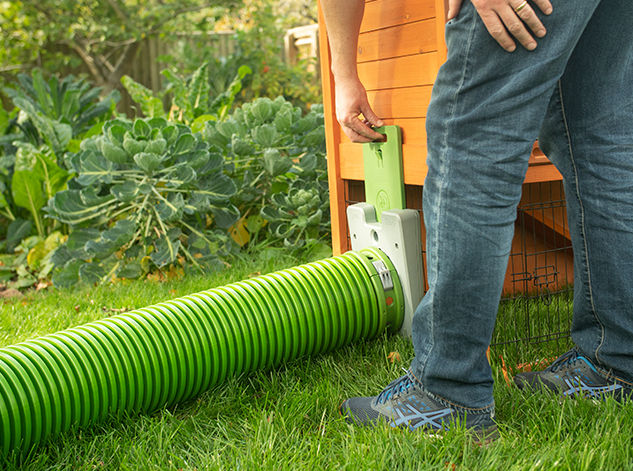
[508, 17]
[351, 101]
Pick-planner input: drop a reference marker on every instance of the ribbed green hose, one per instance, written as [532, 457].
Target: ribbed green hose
[173, 351]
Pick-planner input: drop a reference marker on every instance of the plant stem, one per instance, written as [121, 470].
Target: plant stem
[195, 231]
[149, 219]
[9, 215]
[38, 225]
[191, 257]
[140, 211]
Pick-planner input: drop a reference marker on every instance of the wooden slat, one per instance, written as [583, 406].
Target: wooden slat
[441, 10]
[542, 173]
[385, 13]
[153, 56]
[414, 162]
[413, 38]
[413, 131]
[409, 71]
[409, 102]
[332, 140]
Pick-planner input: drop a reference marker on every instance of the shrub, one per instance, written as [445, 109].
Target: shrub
[49, 118]
[145, 195]
[276, 157]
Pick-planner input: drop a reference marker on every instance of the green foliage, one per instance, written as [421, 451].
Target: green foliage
[299, 214]
[260, 46]
[192, 99]
[103, 35]
[258, 41]
[48, 119]
[276, 156]
[31, 261]
[60, 110]
[151, 106]
[144, 192]
[36, 178]
[154, 194]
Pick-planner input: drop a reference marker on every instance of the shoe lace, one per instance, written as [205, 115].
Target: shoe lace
[395, 388]
[565, 359]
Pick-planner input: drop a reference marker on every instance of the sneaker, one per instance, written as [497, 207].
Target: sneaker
[404, 404]
[573, 374]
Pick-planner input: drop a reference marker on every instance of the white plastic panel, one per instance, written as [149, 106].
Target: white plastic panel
[400, 238]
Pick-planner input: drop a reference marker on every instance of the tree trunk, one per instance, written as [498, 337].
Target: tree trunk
[123, 67]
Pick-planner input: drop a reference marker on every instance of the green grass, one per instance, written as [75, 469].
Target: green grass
[288, 418]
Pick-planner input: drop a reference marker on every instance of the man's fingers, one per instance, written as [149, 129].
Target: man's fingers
[498, 30]
[351, 103]
[371, 117]
[454, 6]
[515, 25]
[358, 131]
[527, 14]
[508, 19]
[544, 5]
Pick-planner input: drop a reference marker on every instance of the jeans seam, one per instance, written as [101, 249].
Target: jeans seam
[616, 379]
[582, 220]
[444, 171]
[478, 410]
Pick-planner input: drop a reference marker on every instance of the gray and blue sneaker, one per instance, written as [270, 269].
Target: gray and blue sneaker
[573, 374]
[404, 404]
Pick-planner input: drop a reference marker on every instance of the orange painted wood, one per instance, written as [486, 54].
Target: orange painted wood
[386, 13]
[409, 39]
[332, 139]
[550, 221]
[553, 215]
[414, 163]
[542, 173]
[398, 78]
[413, 160]
[413, 131]
[410, 102]
[441, 10]
[408, 71]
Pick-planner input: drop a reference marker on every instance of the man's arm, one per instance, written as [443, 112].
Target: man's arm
[342, 21]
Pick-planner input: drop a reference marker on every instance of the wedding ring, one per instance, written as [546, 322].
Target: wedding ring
[521, 7]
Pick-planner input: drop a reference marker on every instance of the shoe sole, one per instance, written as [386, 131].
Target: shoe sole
[480, 437]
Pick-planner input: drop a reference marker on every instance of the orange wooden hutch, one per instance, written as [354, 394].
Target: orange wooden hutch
[401, 47]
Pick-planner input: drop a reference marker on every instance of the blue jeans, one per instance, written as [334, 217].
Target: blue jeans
[575, 94]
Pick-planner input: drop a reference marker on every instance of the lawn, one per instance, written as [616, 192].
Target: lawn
[288, 418]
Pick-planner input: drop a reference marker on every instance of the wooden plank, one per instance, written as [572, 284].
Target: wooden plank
[408, 71]
[542, 173]
[441, 9]
[413, 38]
[413, 131]
[385, 13]
[153, 57]
[411, 102]
[332, 139]
[415, 169]
[413, 159]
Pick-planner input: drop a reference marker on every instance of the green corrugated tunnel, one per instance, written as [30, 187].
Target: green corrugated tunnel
[171, 352]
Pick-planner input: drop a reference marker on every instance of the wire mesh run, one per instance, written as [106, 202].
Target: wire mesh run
[537, 303]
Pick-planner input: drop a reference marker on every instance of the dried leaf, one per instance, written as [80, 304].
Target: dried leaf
[394, 357]
[504, 370]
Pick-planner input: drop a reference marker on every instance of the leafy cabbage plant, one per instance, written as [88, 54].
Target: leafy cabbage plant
[276, 156]
[145, 192]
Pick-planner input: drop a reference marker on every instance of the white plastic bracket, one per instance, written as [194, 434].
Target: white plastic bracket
[400, 238]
